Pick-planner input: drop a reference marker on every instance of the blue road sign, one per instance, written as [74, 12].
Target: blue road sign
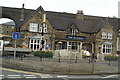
[15, 35]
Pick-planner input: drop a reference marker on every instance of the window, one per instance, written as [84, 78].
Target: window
[12, 27]
[104, 35]
[2, 26]
[73, 45]
[44, 27]
[73, 31]
[110, 35]
[107, 35]
[33, 27]
[7, 31]
[7, 26]
[106, 48]
[2, 31]
[35, 44]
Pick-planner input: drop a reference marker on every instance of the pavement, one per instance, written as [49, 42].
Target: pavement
[64, 67]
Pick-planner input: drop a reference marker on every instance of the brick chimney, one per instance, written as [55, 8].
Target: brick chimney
[80, 15]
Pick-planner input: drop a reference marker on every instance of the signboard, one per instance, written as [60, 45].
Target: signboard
[15, 35]
[75, 37]
[1, 45]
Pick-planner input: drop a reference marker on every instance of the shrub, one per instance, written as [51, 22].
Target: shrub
[111, 58]
[44, 54]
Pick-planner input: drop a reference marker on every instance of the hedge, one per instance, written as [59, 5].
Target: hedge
[111, 58]
[43, 54]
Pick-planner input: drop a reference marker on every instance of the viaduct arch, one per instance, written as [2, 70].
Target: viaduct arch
[14, 13]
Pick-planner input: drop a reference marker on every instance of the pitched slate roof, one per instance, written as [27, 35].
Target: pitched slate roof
[61, 21]
[91, 24]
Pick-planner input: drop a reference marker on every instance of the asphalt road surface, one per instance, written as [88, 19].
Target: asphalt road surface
[11, 74]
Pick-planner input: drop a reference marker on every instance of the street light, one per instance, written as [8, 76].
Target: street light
[59, 50]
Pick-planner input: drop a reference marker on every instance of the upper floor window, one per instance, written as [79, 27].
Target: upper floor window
[110, 35]
[33, 27]
[104, 35]
[2, 26]
[12, 27]
[73, 31]
[107, 35]
[43, 27]
[7, 31]
[7, 26]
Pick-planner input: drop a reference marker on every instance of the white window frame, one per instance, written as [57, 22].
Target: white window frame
[12, 27]
[33, 27]
[36, 43]
[73, 31]
[110, 34]
[44, 28]
[107, 48]
[104, 35]
[2, 26]
[70, 44]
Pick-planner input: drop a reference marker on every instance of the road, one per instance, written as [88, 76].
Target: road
[24, 75]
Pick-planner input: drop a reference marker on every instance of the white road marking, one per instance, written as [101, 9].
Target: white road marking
[13, 75]
[1, 75]
[46, 76]
[109, 76]
[62, 76]
[29, 75]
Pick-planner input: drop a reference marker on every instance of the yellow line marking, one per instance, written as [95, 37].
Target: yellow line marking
[6, 69]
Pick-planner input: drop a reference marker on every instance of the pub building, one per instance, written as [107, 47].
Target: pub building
[67, 34]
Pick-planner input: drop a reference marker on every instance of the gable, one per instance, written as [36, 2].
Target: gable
[37, 15]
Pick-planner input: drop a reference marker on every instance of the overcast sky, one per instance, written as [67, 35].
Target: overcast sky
[103, 8]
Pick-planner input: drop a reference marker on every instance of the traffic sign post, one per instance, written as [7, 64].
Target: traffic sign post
[15, 35]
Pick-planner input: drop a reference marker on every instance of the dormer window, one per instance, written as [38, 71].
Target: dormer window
[73, 31]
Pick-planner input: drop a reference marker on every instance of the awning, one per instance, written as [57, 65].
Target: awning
[2, 35]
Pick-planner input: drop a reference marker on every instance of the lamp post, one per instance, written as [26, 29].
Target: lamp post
[59, 51]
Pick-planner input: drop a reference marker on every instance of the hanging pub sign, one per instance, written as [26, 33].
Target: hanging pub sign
[75, 37]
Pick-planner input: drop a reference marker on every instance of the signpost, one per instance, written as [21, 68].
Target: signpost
[15, 35]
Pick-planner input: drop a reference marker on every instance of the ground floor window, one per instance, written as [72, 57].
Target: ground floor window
[107, 48]
[35, 44]
[72, 45]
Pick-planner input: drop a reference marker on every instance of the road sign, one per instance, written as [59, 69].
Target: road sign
[15, 35]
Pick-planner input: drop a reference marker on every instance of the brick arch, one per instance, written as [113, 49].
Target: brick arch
[13, 13]
[10, 17]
